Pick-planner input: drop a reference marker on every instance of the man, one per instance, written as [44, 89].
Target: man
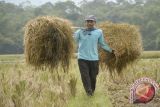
[88, 40]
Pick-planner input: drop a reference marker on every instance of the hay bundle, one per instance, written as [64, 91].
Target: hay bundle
[125, 39]
[48, 42]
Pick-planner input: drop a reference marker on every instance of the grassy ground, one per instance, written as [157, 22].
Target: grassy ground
[17, 58]
[100, 98]
[150, 54]
[11, 57]
[22, 86]
[118, 88]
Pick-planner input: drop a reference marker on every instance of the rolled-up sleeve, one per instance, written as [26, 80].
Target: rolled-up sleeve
[103, 44]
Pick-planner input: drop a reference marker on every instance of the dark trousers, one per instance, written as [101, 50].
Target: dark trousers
[88, 71]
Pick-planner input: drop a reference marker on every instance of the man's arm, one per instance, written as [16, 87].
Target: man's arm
[77, 36]
[103, 44]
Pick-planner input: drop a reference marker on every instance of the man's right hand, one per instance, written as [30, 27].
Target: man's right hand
[110, 55]
[112, 51]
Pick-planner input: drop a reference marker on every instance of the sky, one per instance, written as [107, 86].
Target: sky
[38, 2]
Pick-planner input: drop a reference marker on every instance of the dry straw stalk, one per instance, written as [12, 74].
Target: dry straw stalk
[48, 42]
[125, 39]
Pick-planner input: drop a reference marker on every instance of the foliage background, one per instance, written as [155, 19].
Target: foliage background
[143, 13]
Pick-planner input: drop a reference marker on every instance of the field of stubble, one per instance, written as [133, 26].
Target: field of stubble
[23, 86]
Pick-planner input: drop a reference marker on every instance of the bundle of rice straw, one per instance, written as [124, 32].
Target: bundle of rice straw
[125, 39]
[48, 42]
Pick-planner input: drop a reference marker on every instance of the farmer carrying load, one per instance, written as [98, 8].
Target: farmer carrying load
[88, 58]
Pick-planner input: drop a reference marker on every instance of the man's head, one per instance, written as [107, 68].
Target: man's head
[90, 21]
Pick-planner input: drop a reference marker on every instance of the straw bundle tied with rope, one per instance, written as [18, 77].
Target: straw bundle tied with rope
[48, 43]
[125, 39]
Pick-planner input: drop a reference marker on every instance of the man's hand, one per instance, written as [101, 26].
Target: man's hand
[110, 56]
[112, 51]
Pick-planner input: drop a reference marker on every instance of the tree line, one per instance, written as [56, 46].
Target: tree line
[143, 13]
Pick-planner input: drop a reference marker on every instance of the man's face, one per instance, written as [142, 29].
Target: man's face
[90, 23]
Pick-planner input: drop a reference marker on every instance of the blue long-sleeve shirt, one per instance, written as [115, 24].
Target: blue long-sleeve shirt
[88, 41]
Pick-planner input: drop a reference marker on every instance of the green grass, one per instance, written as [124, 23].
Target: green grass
[20, 57]
[150, 54]
[16, 57]
[99, 99]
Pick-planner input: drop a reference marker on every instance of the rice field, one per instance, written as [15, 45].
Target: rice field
[150, 54]
[23, 86]
[20, 57]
